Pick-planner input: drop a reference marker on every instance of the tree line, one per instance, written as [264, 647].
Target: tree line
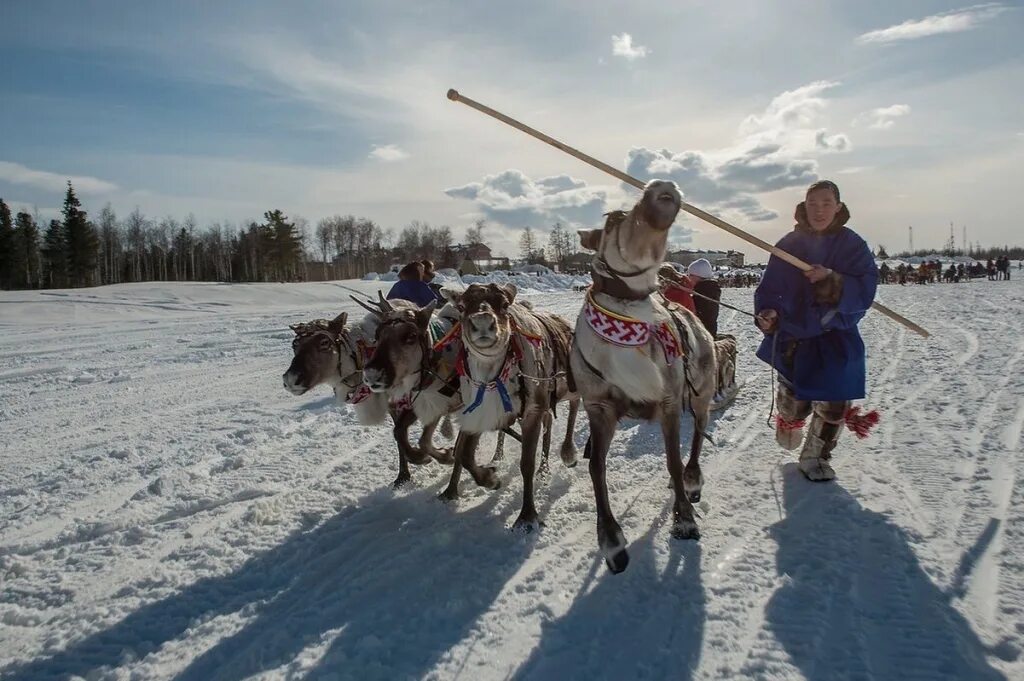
[76, 251]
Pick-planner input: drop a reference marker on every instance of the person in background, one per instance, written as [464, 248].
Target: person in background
[410, 286]
[676, 287]
[708, 293]
[810, 319]
[428, 278]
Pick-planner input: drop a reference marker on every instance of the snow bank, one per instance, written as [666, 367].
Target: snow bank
[536, 278]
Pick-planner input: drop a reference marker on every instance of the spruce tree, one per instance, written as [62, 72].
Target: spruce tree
[81, 241]
[55, 257]
[26, 252]
[6, 246]
[285, 245]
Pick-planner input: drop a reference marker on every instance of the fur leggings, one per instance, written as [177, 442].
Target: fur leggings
[826, 423]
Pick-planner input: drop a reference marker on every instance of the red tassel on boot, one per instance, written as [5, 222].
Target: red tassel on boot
[861, 424]
[784, 425]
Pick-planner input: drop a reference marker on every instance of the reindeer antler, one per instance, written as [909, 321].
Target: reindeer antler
[384, 304]
[368, 306]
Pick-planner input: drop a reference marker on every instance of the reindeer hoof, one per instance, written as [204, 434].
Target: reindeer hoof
[450, 493]
[570, 457]
[526, 524]
[401, 481]
[489, 478]
[685, 529]
[693, 482]
[617, 562]
[613, 545]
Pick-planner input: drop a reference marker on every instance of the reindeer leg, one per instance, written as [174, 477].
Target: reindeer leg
[499, 448]
[463, 442]
[693, 480]
[603, 421]
[446, 427]
[484, 476]
[568, 451]
[402, 421]
[546, 422]
[427, 445]
[684, 526]
[531, 425]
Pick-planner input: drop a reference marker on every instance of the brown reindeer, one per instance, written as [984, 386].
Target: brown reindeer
[513, 366]
[332, 353]
[401, 367]
[636, 356]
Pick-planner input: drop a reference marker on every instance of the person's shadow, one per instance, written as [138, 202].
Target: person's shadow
[855, 603]
[646, 623]
[381, 591]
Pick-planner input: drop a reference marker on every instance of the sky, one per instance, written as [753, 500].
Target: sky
[229, 109]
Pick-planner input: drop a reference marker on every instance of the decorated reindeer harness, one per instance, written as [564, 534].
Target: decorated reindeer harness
[513, 359]
[629, 332]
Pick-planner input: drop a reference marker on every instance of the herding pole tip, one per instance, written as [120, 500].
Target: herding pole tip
[453, 94]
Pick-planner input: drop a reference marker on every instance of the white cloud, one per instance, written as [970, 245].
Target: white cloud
[515, 200]
[622, 46]
[882, 118]
[853, 170]
[16, 173]
[774, 150]
[947, 22]
[388, 152]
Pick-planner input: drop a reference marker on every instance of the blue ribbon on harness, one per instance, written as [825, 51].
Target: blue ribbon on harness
[506, 400]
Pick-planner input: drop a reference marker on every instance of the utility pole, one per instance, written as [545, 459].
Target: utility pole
[911, 230]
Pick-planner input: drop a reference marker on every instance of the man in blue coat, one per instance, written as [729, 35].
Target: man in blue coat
[410, 286]
[810, 324]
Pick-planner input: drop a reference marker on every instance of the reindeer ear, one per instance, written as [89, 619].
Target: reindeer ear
[337, 325]
[590, 239]
[510, 291]
[297, 328]
[423, 314]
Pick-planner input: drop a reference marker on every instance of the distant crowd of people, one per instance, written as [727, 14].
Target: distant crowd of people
[999, 269]
[739, 279]
[932, 271]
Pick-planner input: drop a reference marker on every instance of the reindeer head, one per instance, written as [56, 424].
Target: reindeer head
[401, 347]
[320, 355]
[486, 323]
[633, 242]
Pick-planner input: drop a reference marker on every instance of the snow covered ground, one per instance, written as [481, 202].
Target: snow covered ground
[167, 510]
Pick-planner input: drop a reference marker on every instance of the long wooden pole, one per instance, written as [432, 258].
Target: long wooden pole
[693, 210]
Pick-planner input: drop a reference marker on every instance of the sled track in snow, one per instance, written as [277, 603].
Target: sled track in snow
[248, 533]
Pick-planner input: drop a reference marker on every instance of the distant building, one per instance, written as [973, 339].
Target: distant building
[479, 254]
[578, 263]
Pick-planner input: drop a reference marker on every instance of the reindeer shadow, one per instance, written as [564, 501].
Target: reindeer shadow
[376, 589]
[647, 623]
[855, 602]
